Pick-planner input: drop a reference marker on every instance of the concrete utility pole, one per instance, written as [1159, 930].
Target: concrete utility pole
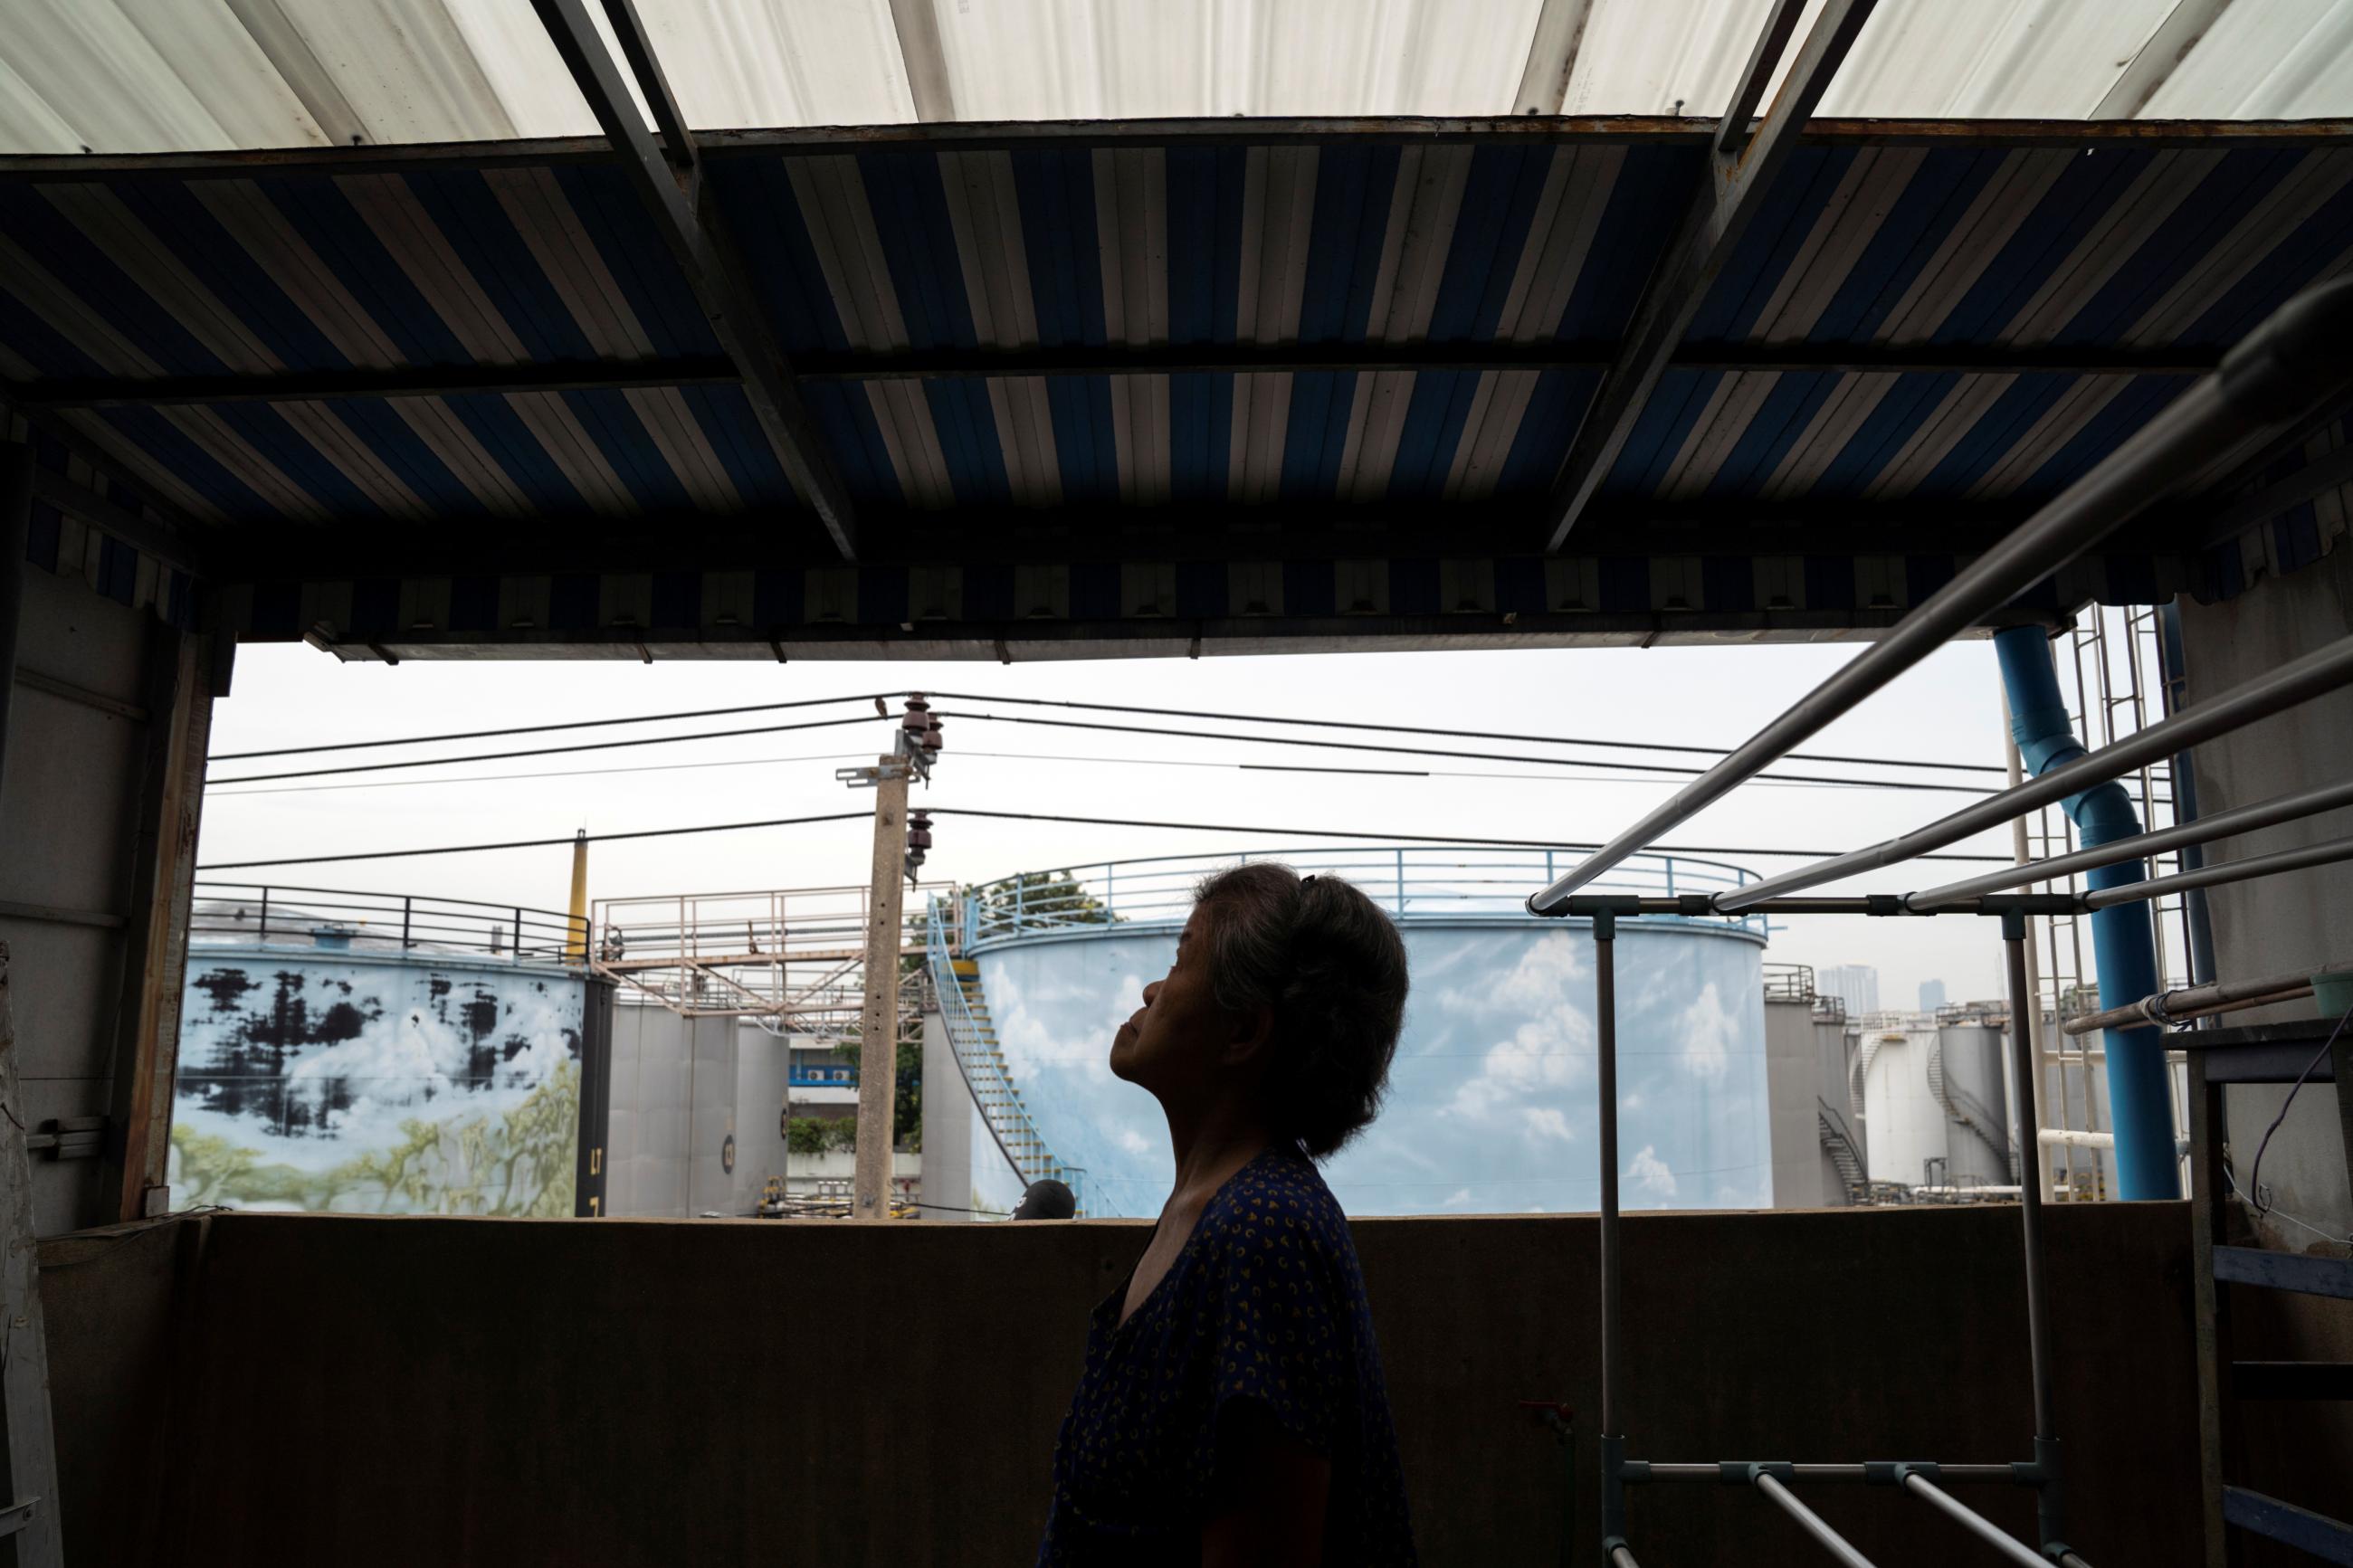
[878, 1027]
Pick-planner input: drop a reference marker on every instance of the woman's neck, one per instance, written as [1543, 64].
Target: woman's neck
[1211, 1144]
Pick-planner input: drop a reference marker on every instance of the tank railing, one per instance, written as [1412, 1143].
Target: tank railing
[1423, 883]
[2297, 360]
[373, 922]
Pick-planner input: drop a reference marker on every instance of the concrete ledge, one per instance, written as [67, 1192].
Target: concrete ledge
[394, 1390]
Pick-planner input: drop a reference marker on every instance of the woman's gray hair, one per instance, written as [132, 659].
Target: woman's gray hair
[1324, 960]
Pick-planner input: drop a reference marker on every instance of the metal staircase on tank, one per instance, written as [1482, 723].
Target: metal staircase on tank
[1968, 1110]
[972, 1040]
[1838, 1143]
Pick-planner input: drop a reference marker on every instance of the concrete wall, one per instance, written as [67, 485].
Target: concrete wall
[393, 1391]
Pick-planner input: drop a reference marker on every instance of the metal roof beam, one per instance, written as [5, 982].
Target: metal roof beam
[446, 381]
[1741, 174]
[2184, 27]
[692, 228]
[917, 23]
[1552, 57]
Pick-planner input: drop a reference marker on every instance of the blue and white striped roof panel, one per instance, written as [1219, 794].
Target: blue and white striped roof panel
[1970, 239]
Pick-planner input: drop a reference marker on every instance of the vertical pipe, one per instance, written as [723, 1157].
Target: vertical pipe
[1612, 1443]
[2049, 1506]
[16, 525]
[2124, 953]
[2031, 1020]
[575, 940]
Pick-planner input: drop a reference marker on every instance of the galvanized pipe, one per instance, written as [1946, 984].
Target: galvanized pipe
[2296, 360]
[1652, 1471]
[2323, 669]
[1831, 1540]
[2192, 1000]
[2327, 853]
[1605, 1008]
[1984, 1529]
[2204, 830]
[2029, 1198]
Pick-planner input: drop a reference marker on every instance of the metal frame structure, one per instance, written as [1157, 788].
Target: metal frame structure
[2299, 359]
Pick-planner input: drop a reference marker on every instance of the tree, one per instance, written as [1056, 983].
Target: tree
[1036, 899]
[807, 1135]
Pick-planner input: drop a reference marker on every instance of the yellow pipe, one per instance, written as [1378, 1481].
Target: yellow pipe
[575, 945]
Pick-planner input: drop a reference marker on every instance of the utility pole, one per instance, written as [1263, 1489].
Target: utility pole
[877, 1028]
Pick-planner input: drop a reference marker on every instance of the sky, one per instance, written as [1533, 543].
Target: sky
[1946, 708]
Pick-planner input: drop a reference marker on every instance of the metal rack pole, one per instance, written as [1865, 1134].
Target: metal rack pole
[1814, 1526]
[2322, 670]
[2203, 830]
[1611, 1441]
[2051, 1507]
[2324, 854]
[2296, 360]
[1975, 1522]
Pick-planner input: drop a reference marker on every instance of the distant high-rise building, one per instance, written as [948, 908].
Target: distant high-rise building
[1856, 985]
[1932, 995]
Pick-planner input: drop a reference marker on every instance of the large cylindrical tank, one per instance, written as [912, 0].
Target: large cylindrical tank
[1978, 1138]
[1905, 1125]
[1491, 1106]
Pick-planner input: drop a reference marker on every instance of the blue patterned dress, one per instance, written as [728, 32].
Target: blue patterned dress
[1264, 1304]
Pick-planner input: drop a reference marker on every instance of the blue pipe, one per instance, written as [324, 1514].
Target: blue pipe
[2124, 939]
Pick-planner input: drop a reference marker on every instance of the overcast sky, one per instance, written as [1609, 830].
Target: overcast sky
[1948, 709]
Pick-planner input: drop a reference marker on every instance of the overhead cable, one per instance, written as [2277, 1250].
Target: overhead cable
[1468, 840]
[1457, 734]
[1434, 751]
[546, 751]
[543, 728]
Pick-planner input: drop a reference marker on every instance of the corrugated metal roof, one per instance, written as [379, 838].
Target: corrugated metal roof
[147, 76]
[1341, 244]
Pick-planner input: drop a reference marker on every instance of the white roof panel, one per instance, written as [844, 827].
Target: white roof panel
[154, 75]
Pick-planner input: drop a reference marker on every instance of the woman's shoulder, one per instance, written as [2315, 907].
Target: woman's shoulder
[1277, 1203]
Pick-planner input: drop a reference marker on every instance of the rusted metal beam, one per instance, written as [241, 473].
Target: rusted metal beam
[665, 176]
[1742, 170]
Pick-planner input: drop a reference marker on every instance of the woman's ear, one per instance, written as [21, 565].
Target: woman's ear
[1250, 1032]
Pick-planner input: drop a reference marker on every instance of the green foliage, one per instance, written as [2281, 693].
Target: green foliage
[523, 1163]
[1039, 898]
[805, 1135]
[841, 1135]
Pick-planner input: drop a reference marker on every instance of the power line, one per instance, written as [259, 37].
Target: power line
[1457, 734]
[547, 750]
[1433, 751]
[1467, 840]
[212, 794]
[541, 728]
[226, 793]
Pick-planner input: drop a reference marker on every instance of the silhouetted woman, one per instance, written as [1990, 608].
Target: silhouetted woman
[1231, 1412]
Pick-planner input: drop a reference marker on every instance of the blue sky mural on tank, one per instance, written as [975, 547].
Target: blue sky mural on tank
[1491, 1106]
[363, 1082]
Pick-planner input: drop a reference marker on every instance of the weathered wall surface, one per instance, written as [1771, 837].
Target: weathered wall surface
[398, 1391]
[376, 1082]
[71, 802]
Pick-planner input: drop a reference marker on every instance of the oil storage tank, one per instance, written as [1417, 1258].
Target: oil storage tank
[1492, 1103]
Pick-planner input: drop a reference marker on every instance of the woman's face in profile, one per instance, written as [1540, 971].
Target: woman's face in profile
[1177, 1036]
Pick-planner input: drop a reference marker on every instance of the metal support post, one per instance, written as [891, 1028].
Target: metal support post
[878, 1036]
[1612, 1437]
[16, 524]
[2050, 1509]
